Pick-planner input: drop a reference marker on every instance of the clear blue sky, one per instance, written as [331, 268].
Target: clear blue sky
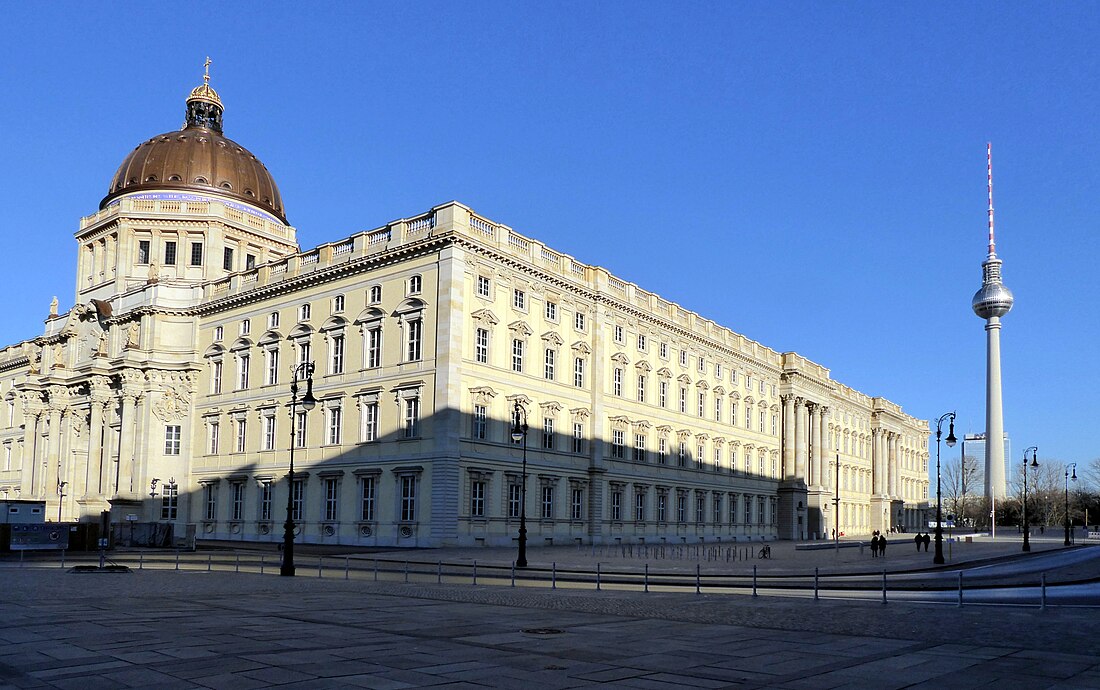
[811, 175]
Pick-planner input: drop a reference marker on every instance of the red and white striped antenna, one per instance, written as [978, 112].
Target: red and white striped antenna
[989, 173]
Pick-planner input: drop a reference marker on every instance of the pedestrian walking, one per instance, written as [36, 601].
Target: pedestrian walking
[927, 540]
[918, 540]
[874, 546]
[882, 547]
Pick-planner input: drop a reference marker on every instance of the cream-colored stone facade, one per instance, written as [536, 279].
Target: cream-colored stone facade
[647, 421]
[161, 400]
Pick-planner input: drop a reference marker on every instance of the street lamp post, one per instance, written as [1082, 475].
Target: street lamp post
[1027, 525]
[836, 500]
[60, 497]
[519, 435]
[302, 371]
[1072, 467]
[938, 558]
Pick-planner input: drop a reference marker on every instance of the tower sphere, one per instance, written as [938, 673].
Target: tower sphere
[993, 299]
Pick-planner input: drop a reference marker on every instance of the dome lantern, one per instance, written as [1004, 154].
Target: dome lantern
[204, 108]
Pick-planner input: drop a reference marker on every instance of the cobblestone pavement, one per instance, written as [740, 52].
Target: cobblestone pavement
[193, 629]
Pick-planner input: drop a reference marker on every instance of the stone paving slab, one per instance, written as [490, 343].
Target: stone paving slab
[240, 631]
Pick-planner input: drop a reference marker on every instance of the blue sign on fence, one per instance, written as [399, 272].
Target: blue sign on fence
[39, 537]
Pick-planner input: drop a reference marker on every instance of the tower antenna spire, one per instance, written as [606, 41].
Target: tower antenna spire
[206, 80]
[989, 177]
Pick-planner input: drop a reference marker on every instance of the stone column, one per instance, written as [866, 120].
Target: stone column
[788, 436]
[126, 444]
[892, 454]
[29, 479]
[812, 449]
[800, 438]
[822, 451]
[57, 406]
[876, 460]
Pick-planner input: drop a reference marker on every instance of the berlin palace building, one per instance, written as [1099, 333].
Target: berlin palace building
[162, 398]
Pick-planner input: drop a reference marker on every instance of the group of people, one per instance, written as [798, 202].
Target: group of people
[922, 538]
[878, 544]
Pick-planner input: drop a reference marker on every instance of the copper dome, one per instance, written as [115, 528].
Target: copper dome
[198, 159]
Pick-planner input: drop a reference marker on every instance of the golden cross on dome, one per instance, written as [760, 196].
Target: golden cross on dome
[206, 67]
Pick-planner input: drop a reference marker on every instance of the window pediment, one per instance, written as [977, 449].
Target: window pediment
[410, 305]
[581, 348]
[642, 366]
[333, 323]
[552, 338]
[370, 315]
[664, 373]
[214, 351]
[484, 317]
[270, 337]
[620, 358]
[240, 344]
[300, 332]
[520, 328]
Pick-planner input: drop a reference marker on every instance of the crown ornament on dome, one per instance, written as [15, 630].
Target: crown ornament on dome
[204, 107]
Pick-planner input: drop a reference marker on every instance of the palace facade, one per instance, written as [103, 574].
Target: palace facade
[163, 397]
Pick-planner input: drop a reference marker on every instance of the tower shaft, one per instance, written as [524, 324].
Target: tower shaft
[995, 484]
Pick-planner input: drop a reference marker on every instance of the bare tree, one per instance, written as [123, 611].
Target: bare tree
[962, 479]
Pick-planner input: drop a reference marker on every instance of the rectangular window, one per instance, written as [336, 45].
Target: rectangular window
[682, 457]
[683, 399]
[304, 312]
[732, 503]
[481, 346]
[218, 332]
[662, 350]
[246, 326]
[550, 360]
[483, 286]
[548, 433]
[517, 355]
[242, 428]
[681, 508]
[412, 417]
[639, 506]
[641, 388]
[578, 437]
[578, 321]
[477, 498]
[519, 299]
[683, 358]
[300, 430]
[369, 422]
[415, 285]
[578, 372]
[338, 303]
[551, 311]
[762, 422]
[662, 394]
[479, 421]
[413, 345]
[170, 253]
[143, 252]
[271, 368]
[298, 499]
[547, 502]
[662, 499]
[337, 361]
[172, 439]
[209, 501]
[196, 253]
[265, 500]
[702, 365]
[616, 505]
[514, 493]
[375, 294]
[702, 404]
[332, 497]
[662, 451]
[617, 442]
[366, 499]
[576, 504]
[213, 440]
[169, 502]
[242, 372]
[333, 415]
[249, 262]
[733, 413]
[700, 507]
[236, 512]
[269, 432]
[618, 334]
[748, 416]
[717, 371]
[304, 352]
[617, 381]
[408, 498]
[639, 448]
[641, 342]
[717, 408]
[374, 347]
[227, 259]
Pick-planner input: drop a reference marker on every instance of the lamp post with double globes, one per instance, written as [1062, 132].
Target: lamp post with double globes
[302, 371]
[1072, 467]
[1034, 463]
[938, 558]
[519, 434]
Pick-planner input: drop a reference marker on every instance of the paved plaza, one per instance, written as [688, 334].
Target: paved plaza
[197, 629]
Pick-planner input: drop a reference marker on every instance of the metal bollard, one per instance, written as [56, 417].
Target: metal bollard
[209, 561]
[884, 586]
[439, 572]
[513, 573]
[554, 575]
[347, 564]
[141, 560]
[697, 587]
[647, 577]
[406, 571]
[262, 557]
[238, 569]
[63, 559]
[376, 570]
[475, 572]
[815, 584]
[177, 560]
[960, 588]
[597, 574]
[754, 579]
[319, 566]
[1042, 591]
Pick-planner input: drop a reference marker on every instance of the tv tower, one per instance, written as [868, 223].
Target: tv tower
[992, 302]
